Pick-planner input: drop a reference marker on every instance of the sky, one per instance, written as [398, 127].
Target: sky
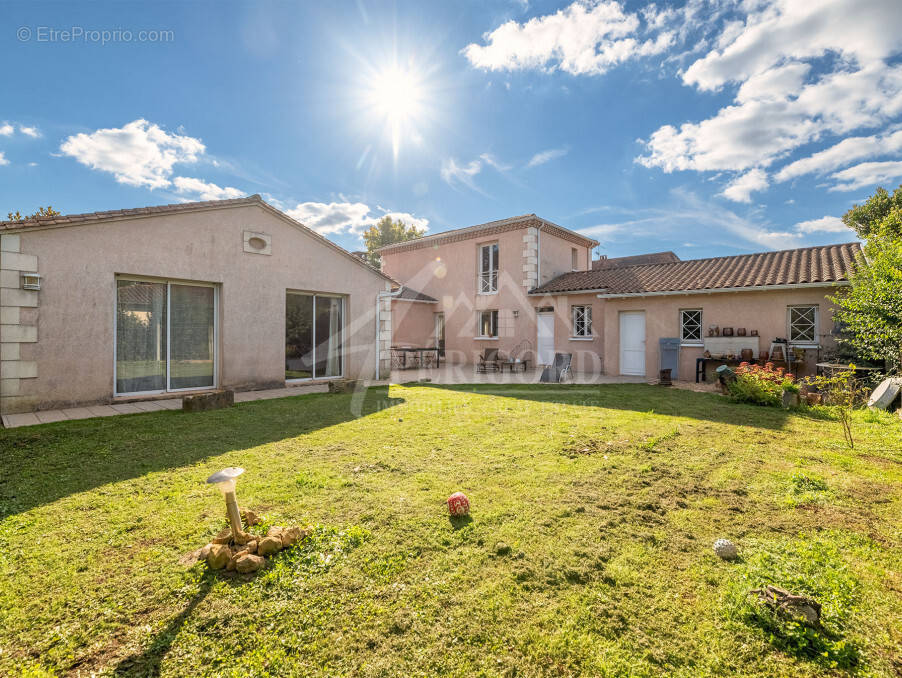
[709, 128]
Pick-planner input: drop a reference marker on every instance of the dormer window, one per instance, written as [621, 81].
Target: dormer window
[488, 268]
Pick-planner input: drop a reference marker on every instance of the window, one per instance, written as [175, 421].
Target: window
[487, 324]
[582, 321]
[488, 268]
[574, 259]
[803, 325]
[691, 326]
[314, 328]
[165, 336]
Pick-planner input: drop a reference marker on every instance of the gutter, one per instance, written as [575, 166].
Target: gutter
[762, 288]
[379, 297]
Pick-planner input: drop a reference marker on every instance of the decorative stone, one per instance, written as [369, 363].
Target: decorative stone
[249, 563]
[458, 504]
[251, 547]
[269, 545]
[251, 518]
[342, 386]
[224, 537]
[290, 536]
[218, 556]
[274, 531]
[725, 549]
[202, 402]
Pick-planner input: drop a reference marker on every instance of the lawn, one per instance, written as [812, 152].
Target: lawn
[588, 553]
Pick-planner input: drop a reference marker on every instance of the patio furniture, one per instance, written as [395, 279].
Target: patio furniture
[489, 360]
[558, 370]
[412, 357]
[514, 365]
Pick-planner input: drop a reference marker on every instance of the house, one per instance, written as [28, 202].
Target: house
[467, 289]
[529, 288]
[158, 301]
[758, 297]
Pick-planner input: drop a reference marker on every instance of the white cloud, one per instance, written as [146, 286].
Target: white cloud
[742, 187]
[138, 154]
[845, 152]
[866, 174]
[805, 72]
[493, 161]
[822, 225]
[346, 217]
[586, 38]
[6, 130]
[205, 190]
[544, 156]
[32, 132]
[454, 174]
[3, 160]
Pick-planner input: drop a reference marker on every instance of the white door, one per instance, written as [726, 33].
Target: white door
[632, 343]
[545, 339]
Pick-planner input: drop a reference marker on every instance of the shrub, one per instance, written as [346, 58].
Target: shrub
[761, 385]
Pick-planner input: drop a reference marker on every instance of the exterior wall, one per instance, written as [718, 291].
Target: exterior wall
[587, 353]
[66, 337]
[413, 323]
[556, 257]
[449, 273]
[762, 311]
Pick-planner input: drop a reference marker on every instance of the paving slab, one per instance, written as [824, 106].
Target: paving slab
[15, 420]
[77, 413]
[149, 406]
[50, 416]
[102, 411]
[171, 404]
[126, 408]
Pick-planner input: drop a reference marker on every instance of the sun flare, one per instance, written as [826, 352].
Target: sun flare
[397, 96]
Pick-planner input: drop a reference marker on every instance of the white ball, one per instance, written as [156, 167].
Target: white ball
[725, 549]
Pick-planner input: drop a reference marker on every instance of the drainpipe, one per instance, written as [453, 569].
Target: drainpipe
[539, 254]
[379, 297]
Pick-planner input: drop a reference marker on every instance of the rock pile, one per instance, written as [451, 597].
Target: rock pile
[245, 552]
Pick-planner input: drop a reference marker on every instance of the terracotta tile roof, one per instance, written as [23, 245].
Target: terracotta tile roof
[635, 260]
[809, 265]
[408, 294]
[64, 220]
[489, 228]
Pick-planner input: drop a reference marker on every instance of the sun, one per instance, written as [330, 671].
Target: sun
[396, 95]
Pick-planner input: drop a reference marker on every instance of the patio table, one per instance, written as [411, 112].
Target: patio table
[513, 364]
[411, 357]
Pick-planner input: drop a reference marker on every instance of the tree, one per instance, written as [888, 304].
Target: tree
[386, 232]
[870, 309]
[42, 212]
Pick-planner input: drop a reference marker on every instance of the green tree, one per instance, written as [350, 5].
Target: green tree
[386, 232]
[870, 309]
[42, 212]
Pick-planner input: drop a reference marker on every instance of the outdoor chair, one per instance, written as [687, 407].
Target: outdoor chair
[489, 360]
[558, 370]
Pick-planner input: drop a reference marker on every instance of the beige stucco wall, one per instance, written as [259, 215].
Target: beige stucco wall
[74, 319]
[449, 273]
[753, 310]
[556, 257]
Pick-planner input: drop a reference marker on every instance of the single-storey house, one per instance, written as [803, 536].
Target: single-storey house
[529, 288]
[139, 303]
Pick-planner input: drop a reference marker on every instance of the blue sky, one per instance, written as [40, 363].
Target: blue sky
[707, 127]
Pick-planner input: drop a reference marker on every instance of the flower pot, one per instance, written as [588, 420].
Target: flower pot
[790, 399]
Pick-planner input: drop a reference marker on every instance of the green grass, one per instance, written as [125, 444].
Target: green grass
[588, 551]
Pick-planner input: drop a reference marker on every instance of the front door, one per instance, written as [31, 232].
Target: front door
[632, 343]
[440, 333]
[545, 339]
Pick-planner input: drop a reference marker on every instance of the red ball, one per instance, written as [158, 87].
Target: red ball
[458, 504]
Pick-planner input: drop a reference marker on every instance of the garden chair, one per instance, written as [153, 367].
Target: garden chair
[489, 360]
[558, 370]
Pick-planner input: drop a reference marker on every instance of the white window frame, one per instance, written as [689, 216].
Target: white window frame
[479, 315]
[344, 332]
[574, 259]
[806, 343]
[488, 279]
[168, 282]
[700, 340]
[586, 332]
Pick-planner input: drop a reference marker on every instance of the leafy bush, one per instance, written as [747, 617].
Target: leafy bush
[760, 385]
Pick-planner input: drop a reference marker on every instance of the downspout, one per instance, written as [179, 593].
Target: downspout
[539, 254]
[379, 297]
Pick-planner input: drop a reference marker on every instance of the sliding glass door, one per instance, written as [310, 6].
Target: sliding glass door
[165, 336]
[314, 336]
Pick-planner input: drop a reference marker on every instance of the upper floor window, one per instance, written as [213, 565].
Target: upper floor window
[574, 259]
[487, 324]
[582, 321]
[488, 268]
[691, 326]
[803, 324]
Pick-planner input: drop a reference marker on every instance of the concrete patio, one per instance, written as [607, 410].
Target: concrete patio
[467, 374]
